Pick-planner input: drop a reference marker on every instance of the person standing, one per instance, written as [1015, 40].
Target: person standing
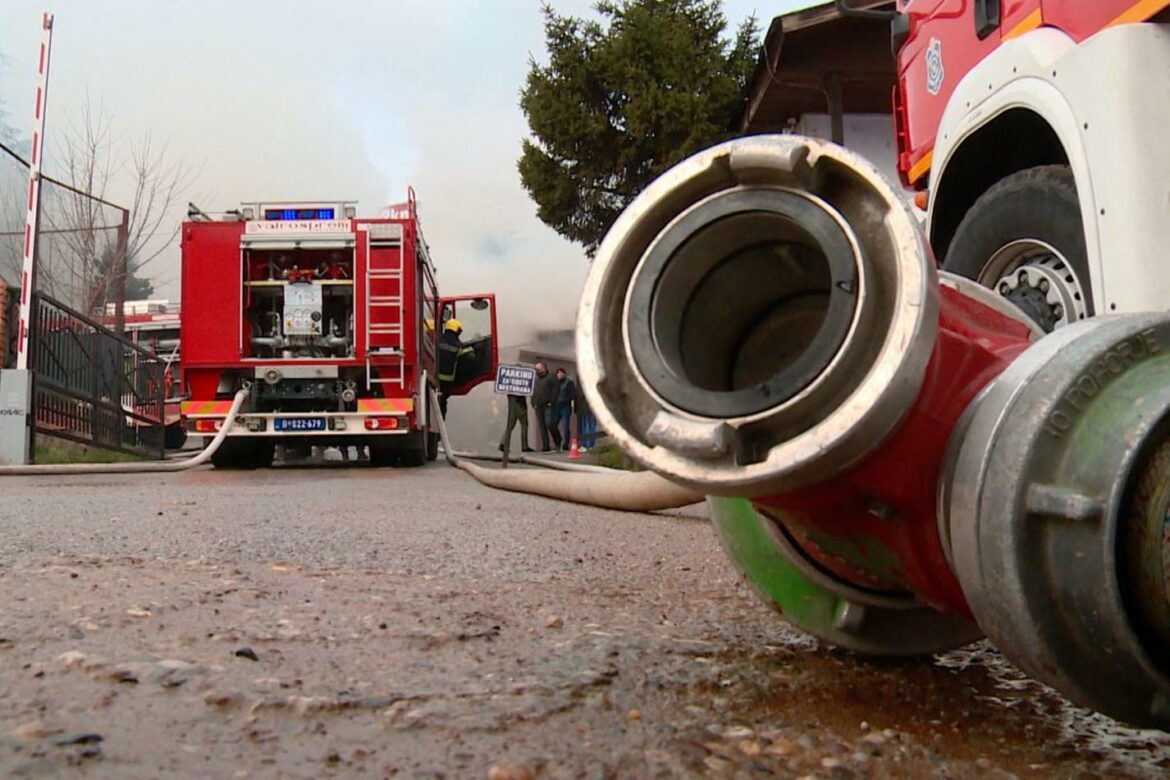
[586, 422]
[544, 393]
[563, 406]
[517, 412]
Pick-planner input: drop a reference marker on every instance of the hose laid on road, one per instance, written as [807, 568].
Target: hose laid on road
[135, 468]
[627, 491]
[546, 463]
[532, 460]
[642, 491]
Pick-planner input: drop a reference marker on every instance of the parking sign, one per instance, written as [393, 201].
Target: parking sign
[515, 380]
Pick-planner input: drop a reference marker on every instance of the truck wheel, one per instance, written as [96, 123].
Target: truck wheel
[264, 454]
[383, 454]
[174, 436]
[416, 449]
[432, 446]
[413, 458]
[1024, 238]
[235, 454]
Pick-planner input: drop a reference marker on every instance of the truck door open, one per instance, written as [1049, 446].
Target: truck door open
[476, 315]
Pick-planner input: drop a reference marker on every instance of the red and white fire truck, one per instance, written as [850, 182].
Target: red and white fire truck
[332, 321]
[1038, 129]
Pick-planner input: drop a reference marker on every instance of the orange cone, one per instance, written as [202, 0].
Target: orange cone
[573, 453]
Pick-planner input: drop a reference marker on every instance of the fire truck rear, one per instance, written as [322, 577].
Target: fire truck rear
[332, 321]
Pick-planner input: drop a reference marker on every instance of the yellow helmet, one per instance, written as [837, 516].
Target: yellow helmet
[452, 324]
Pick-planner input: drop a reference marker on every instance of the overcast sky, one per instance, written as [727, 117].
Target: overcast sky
[351, 100]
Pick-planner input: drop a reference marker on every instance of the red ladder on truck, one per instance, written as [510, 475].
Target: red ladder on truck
[384, 310]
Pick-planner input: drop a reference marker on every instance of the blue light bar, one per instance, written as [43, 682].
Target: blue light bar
[288, 215]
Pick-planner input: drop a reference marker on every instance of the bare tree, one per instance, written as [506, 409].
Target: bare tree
[13, 184]
[102, 244]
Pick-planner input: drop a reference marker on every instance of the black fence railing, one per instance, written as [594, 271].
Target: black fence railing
[92, 387]
[9, 317]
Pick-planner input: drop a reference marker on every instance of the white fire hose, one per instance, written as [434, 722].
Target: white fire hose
[134, 468]
[627, 491]
[579, 484]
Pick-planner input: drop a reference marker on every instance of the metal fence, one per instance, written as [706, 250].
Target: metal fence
[89, 385]
[9, 310]
[78, 238]
[92, 387]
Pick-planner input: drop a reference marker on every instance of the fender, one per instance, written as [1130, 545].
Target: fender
[1110, 113]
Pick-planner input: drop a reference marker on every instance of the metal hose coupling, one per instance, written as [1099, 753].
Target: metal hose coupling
[759, 318]
[765, 322]
[1055, 510]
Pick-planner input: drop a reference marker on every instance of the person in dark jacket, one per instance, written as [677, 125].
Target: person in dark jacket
[517, 413]
[563, 406]
[586, 422]
[544, 393]
[451, 351]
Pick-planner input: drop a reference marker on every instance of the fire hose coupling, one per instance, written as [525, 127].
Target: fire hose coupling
[760, 317]
[1055, 506]
[765, 322]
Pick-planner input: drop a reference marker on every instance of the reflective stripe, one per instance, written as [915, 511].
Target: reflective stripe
[920, 167]
[205, 407]
[1027, 24]
[386, 405]
[1138, 12]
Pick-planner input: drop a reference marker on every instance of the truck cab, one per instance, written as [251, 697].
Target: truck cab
[1035, 130]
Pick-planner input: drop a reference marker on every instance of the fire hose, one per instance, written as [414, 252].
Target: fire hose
[642, 491]
[181, 464]
[897, 465]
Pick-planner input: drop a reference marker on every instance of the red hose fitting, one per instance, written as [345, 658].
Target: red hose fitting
[875, 525]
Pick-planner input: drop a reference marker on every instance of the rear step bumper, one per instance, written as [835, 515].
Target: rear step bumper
[321, 424]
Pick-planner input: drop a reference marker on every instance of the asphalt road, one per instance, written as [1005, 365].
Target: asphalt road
[337, 621]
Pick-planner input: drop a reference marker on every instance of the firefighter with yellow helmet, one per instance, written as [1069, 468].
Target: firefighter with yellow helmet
[451, 351]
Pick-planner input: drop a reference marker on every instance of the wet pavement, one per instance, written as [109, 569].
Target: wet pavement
[351, 621]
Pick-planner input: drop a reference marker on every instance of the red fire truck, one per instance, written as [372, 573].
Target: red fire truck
[333, 323]
[1038, 130]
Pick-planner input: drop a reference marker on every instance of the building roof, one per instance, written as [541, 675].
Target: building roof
[806, 54]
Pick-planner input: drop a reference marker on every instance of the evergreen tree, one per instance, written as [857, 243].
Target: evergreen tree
[622, 99]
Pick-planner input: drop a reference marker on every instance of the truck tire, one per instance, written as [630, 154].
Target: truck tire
[413, 458]
[383, 453]
[1025, 239]
[175, 436]
[236, 454]
[264, 454]
[432, 446]
[415, 449]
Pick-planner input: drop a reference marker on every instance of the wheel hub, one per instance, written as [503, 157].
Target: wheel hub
[1034, 276]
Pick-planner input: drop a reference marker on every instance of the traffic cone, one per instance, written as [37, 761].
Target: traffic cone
[573, 453]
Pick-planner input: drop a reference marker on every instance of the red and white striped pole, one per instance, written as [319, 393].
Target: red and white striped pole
[28, 271]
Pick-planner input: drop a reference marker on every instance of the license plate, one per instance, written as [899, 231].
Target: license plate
[298, 424]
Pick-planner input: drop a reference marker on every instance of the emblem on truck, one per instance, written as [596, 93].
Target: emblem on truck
[934, 66]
